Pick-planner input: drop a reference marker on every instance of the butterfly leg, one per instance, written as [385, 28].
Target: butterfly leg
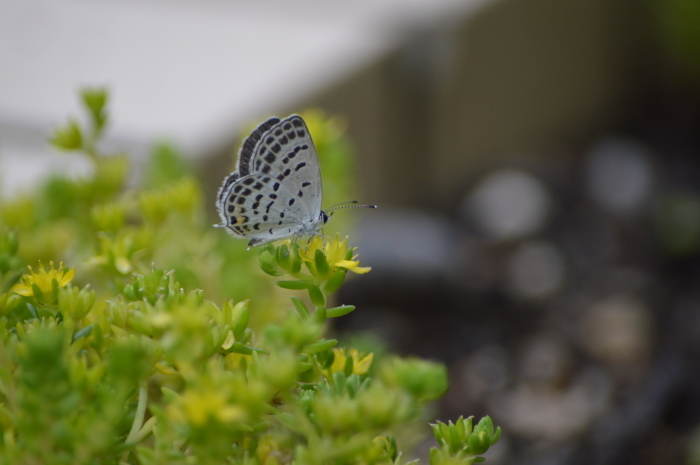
[320, 234]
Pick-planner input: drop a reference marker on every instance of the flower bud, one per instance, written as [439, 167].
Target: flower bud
[483, 436]
[75, 302]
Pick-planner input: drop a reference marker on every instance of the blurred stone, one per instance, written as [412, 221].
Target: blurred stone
[596, 385]
[536, 270]
[619, 175]
[508, 204]
[618, 329]
[543, 413]
[545, 360]
[483, 372]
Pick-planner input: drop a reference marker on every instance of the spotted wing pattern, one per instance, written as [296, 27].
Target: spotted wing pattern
[249, 143]
[277, 187]
[287, 153]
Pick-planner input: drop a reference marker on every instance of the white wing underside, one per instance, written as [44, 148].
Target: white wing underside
[276, 191]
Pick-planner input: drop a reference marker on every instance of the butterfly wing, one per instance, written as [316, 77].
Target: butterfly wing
[286, 152]
[276, 189]
[249, 143]
[258, 207]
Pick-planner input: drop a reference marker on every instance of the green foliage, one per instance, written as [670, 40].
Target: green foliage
[162, 343]
[462, 443]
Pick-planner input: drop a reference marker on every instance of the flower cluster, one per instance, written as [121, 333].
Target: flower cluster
[178, 350]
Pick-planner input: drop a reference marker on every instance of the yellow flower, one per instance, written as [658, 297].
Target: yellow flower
[44, 281]
[360, 362]
[337, 255]
[199, 407]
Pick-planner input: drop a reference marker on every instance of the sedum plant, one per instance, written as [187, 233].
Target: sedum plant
[131, 332]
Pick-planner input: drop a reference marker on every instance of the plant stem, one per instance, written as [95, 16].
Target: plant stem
[140, 413]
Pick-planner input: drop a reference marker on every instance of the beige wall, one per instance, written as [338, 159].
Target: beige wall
[514, 80]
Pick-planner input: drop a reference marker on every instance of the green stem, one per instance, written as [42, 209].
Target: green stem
[140, 413]
[147, 428]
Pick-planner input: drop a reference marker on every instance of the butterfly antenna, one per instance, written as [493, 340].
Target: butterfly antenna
[341, 203]
[340, 206]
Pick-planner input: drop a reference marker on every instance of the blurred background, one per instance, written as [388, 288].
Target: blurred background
[536, 164]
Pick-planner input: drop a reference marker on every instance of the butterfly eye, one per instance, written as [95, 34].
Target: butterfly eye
[325, 217]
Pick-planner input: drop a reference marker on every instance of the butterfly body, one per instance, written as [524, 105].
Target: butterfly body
[276, 190]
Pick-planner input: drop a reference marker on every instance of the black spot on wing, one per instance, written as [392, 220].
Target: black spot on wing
[238, 188]
[305, 184]
[270, 158]
[291, 202]
[249, 143]
[248, 181]
[300, 166]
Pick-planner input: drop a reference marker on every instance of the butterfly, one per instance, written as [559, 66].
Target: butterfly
[276, 190]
